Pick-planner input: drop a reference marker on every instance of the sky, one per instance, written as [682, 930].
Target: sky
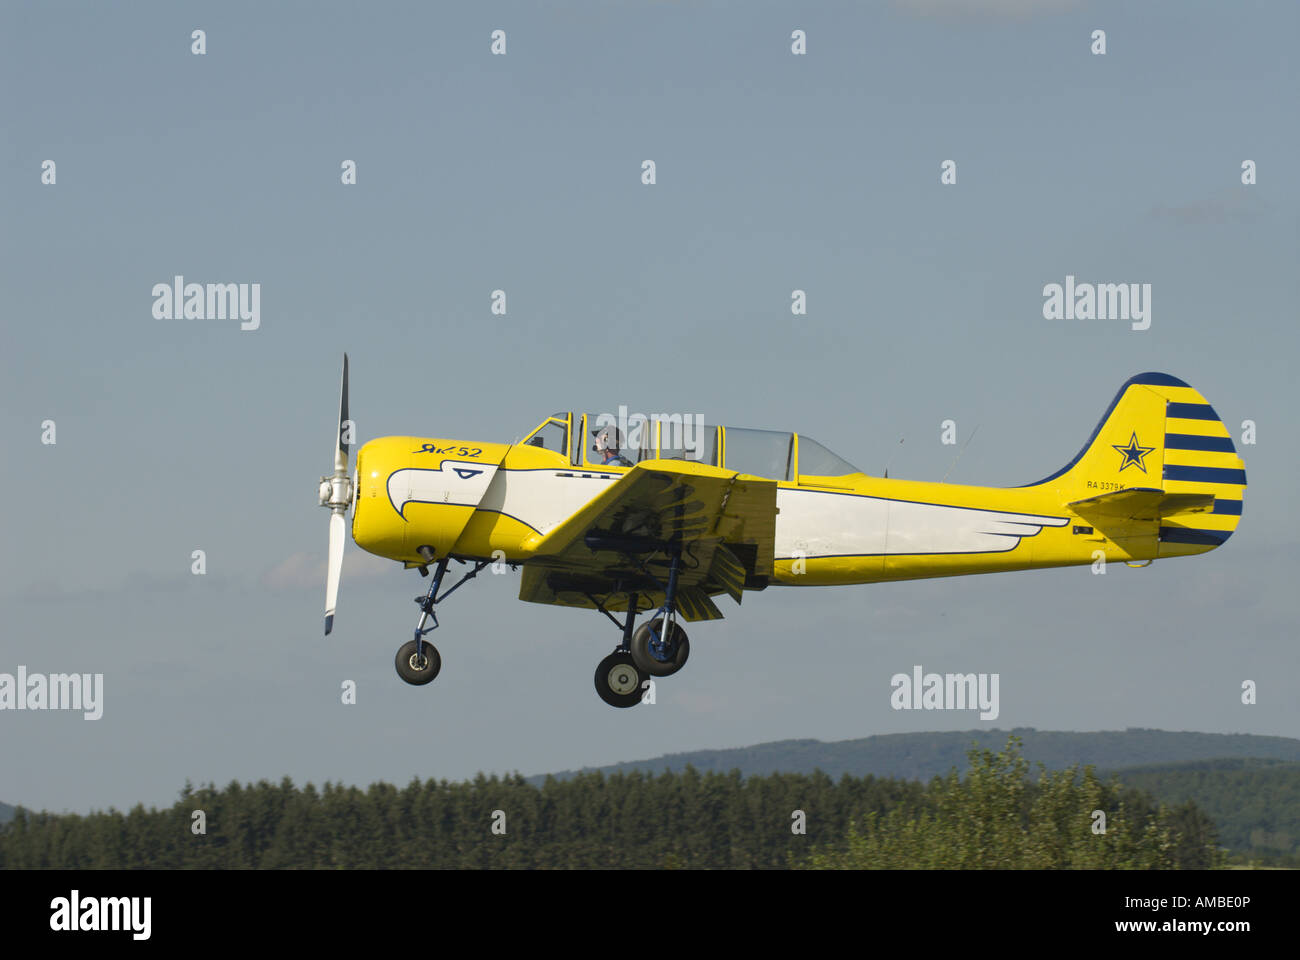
[522, 172]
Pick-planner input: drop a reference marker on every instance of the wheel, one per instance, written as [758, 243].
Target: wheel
[659, 655]
[413, 670]
[618, 681]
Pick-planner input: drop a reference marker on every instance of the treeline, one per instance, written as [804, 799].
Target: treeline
[1254, 803]
[996, 816]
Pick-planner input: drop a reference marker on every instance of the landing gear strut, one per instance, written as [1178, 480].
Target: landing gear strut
[658, 648]
[418, 661]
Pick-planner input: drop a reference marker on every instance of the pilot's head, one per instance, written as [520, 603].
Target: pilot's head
[608, 440]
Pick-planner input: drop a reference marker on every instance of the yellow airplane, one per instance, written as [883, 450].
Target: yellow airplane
[627, 524]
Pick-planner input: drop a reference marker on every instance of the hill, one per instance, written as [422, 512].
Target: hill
[6, 812]
[920, 756]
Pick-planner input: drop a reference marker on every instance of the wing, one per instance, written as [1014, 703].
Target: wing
[725, 523]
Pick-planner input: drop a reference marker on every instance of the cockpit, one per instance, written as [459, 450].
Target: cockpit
[618, 441]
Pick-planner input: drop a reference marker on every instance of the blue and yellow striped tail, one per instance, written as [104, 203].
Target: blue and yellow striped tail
[1159, 475]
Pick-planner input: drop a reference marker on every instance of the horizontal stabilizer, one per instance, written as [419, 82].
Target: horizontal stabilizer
[1186, 503]
[1135, 503]
[1141, 504]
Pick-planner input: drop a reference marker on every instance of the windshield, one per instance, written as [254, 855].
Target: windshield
[552, 435]
[817, 461]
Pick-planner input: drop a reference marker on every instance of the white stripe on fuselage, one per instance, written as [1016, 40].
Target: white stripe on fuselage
[817, 523]
[811, 523]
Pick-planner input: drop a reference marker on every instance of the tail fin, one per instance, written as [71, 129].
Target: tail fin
[1163, 438]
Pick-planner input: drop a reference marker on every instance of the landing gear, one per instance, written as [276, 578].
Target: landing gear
[660, 651]
[660, 647]
[655, 649]
[418, 666]
[618, 681]
[417, 660]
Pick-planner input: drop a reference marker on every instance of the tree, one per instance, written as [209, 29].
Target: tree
[996, 818]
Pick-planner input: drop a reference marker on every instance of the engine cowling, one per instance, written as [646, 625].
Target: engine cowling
[417, 491]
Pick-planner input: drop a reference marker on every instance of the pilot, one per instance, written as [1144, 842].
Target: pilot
[608, 442]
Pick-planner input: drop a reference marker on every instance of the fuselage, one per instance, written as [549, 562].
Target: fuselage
[498, 501]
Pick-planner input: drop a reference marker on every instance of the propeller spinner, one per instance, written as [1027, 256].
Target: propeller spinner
[336, 493]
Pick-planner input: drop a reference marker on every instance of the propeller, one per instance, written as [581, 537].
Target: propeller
[336, 493]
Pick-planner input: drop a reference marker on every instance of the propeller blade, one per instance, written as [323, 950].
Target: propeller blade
[338, 532]
[337, 494]
[341, 452]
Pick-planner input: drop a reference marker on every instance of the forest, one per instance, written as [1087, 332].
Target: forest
[1254, 803]
[999, 814]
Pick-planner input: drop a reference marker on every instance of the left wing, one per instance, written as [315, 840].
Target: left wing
[724, 521]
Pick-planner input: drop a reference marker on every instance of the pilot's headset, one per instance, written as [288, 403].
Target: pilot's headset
[607, 438]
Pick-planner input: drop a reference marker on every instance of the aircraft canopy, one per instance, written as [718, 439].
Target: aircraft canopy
[774, 454]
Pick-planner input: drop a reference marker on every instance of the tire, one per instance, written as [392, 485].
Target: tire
[672, 656]
[618, 681]
[410, 671]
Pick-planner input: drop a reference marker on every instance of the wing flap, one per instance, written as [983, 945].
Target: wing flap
[695, 604]
[728, 571]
